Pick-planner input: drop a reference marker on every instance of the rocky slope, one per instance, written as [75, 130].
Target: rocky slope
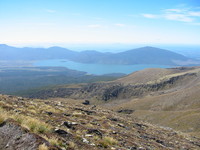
[135, 85]
[68, 124]
[14, 137]
[167, 97]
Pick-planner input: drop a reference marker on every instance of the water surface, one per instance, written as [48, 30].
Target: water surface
[98, 69]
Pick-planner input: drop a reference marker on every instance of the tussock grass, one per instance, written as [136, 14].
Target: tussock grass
[71, 145]
[3, 115]
[54, 141]
[44, 107]
[108, 141]
[32, 124]
[36, 126]
[43, 147]
[18, 118]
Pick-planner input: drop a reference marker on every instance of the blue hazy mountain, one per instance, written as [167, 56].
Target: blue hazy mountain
[144, 55]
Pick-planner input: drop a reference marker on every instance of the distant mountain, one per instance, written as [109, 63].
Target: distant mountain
[144, 55]
[27, 53]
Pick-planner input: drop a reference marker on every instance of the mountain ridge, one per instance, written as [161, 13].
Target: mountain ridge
[143, 55]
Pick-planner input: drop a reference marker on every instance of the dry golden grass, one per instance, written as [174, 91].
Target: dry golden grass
[71, 145]
[30, 123]
[54, 141]
[43, 147]
[108, 141]
[44, 107]
[3, 117]
[36, 126]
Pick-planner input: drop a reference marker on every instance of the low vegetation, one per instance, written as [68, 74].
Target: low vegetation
[108, 141]
[33, 124]
[25, 80]
[69, 124]
[43, 147]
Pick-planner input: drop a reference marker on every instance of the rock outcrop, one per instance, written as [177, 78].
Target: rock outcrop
[15, 137]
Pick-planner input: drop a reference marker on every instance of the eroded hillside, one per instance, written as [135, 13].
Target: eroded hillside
[138, 84]
[167, 97]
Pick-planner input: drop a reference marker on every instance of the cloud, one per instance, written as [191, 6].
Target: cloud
[173, 10]
[119, 24]
[196, 14]
[50, 10]
[94, 26]
[151, 16]
[178, 17]
[187, 15]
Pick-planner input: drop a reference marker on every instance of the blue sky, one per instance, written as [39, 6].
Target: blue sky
[54, 22]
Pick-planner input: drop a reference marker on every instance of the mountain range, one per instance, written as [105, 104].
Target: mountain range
[144, 55]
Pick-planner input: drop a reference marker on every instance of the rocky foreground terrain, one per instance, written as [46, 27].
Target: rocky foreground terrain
[33, 124]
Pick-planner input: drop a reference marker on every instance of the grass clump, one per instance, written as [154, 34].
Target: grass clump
[3, 115]
[71, 145]
[18, 118]
[107, 141]
[43, 147]
[32, 124]
[37, 126]
[54, 141]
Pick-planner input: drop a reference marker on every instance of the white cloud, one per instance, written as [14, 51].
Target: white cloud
[183, 15]
[178, 17]
[174, 10]
[94, 26]
[119, 24]
[193, 13]
[151, 16]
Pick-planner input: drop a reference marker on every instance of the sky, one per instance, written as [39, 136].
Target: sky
[57, 22]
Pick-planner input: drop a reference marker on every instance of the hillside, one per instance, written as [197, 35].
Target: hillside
[144, 55]
[168, 97]
[68, 124]
[176, 107]
[138, 84]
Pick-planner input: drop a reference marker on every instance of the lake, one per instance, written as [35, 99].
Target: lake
[98, 69]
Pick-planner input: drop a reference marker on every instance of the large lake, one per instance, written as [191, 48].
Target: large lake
[98, 69]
